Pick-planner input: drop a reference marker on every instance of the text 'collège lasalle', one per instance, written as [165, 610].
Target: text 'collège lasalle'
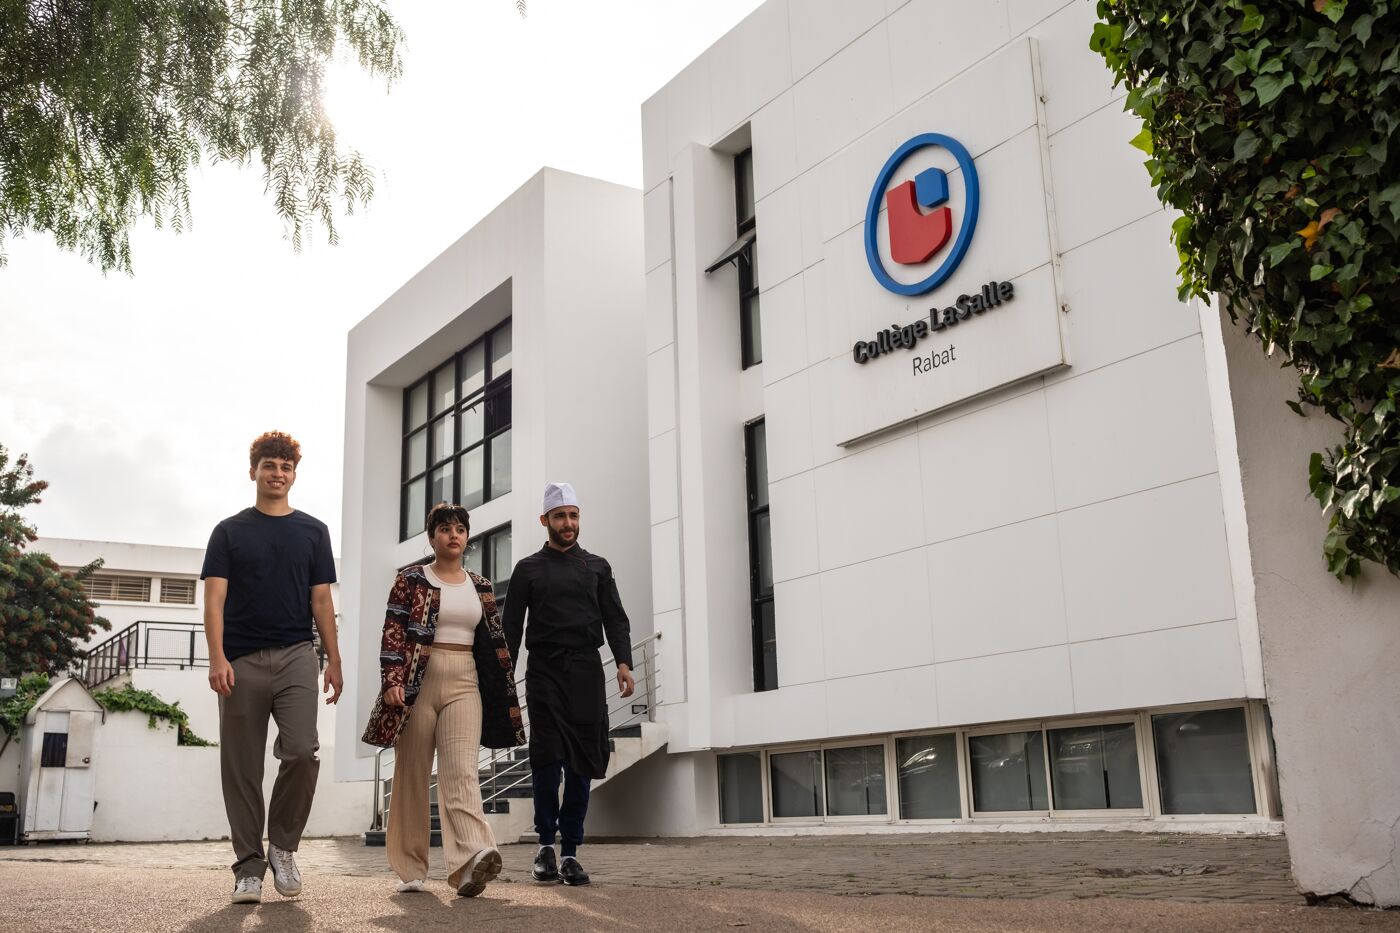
[907, 337]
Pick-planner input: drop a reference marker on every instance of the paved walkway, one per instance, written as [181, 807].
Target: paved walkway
[1051, 881]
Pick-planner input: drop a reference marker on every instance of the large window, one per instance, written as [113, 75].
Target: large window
[456, 438]
[740, 788]
[928, 777]
[796, 779]
[1095, 767]
[489, 555]
[115, 587]
[1008, 771]
[855, 781]
[765, 642]
[1203, 762]
[752, 350]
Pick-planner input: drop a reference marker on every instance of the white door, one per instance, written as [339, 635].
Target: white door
[76, 813]
[48, 802]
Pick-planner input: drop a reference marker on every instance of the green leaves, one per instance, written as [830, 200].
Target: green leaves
[1269, 87]
[1273, 131]
[99, 132]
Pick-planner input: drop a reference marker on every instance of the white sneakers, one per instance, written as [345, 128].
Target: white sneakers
[410, 887]
[285, 877]
[247, 890]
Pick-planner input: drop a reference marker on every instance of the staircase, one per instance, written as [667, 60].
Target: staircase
[506, 791]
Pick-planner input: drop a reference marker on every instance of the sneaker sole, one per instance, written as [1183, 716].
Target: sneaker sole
[576, 884]
[483, 871]
[247, 899]
[286, 892]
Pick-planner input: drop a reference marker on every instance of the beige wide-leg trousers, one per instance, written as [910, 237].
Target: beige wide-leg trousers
[446, 715]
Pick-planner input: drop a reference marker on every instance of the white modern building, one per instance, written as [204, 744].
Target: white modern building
[946, 517]
[513, 359]
[919, 480]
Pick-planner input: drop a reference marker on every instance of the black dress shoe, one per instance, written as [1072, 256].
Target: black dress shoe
[546, 869]
[571, 872]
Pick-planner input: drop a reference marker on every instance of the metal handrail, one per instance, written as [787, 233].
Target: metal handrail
[131, 649]
[489, 759]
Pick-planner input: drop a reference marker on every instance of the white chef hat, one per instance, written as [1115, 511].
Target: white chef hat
[557, 495]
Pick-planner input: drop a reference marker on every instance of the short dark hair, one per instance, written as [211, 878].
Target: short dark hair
[276, 445]
[445, 514]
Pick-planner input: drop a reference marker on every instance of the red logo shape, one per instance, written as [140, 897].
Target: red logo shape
[914, 235]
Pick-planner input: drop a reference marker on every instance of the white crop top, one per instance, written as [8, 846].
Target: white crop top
[459, 611]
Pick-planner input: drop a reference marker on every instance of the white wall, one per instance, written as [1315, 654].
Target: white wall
[1329, 649]
[1034, 552]
[148, 788]
[561, 258]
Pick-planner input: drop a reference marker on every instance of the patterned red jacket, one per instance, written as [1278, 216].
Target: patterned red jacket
[410, 621]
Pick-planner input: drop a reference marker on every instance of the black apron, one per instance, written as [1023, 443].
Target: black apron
[566, 698]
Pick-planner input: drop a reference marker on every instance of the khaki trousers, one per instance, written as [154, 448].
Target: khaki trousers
[281, 683]
[446, 715]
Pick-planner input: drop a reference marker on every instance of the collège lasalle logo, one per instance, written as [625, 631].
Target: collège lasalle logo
[922, 222]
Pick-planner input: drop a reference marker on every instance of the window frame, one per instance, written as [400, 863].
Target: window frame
[765, 804]
[964, 787]
[757, 598]
[749, 354]
[494, 386]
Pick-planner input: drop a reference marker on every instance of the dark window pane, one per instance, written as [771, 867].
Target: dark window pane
[796, 780]
[473, 369]
[855, 781]
[1095, 767]
[55, 751]
[415, 509]
[500, 464]
[498, 410]
[443, 438]
[444, 387]
[500, 351]
[928, 777]
[440, 484]
[1008, 771]
[748, 269]
[418, 404]
[743, 186]
[1203, 762]
[767, 647]
[473, 422]
[763, 554]
[753, 337]
[758, 464]
[473, 479]
[417, 454]
[740, 788]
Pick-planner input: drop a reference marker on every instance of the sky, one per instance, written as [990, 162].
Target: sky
[137, 396]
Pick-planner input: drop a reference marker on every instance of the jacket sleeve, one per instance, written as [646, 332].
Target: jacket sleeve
[615, 622]
[513, 619]
[393, 646]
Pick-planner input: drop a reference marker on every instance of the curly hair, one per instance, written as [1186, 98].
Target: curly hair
[445, 514]
[274, 444]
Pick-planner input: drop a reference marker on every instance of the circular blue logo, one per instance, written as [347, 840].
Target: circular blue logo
[915, 236]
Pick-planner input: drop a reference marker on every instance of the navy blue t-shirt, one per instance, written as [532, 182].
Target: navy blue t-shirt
[271, 563]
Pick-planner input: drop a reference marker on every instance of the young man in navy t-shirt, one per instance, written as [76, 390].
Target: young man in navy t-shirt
[267, 576]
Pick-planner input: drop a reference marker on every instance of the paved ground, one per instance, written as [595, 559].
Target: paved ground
[1080, 882]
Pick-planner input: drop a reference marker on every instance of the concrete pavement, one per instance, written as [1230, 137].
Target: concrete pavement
[1052, 881]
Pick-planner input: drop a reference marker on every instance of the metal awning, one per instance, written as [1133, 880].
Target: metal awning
[733, 251]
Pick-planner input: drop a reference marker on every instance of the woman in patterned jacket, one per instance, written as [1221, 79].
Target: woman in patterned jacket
[464, 699]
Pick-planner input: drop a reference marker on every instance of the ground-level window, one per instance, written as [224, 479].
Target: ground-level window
[928, 777]
[740, 788]
[855, 781]
[1203, 762]
[1095, 767]
[796, 779]
[1008, 771]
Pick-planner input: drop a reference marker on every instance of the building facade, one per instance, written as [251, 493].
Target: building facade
[946, 517]
[513, 359]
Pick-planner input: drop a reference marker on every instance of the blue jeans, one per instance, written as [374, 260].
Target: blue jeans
[550, 816]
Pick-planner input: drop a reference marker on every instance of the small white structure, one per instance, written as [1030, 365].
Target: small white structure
[57, 770]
